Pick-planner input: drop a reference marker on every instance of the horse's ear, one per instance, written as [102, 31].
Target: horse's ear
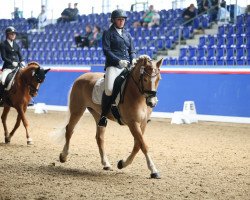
[159, 63]
[46, 70]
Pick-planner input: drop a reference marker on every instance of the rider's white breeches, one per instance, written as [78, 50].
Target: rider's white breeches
[110, 76]
[4, 74]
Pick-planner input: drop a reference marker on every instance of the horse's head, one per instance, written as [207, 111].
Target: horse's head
[36, 76]
[148, 73]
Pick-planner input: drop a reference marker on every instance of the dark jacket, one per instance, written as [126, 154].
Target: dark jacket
[10, 54]
[117, 47]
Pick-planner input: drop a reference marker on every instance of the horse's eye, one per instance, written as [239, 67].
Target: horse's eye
[145, 80]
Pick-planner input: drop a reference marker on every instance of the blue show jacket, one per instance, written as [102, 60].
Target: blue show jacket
[117, 47]
[10, 54]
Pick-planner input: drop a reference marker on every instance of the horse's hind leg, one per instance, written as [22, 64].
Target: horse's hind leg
[100, 131]
[73, 120]
[18, 121]
[6, 110]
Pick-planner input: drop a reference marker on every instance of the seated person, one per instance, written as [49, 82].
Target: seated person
[188, 14]
[155, 20]
[82, 41]
[146, 18]
[69, 14]
[95, 36]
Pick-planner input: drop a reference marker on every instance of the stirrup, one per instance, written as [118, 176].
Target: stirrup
[103, 121]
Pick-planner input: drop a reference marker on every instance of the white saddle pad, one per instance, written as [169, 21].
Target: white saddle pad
[99, 89]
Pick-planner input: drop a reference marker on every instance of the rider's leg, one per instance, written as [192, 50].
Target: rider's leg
[3, 76]
[110, 76]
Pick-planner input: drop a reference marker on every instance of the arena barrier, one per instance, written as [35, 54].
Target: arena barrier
[220, 94]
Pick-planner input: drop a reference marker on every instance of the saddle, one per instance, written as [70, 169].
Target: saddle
[117, 95]
[9, 81]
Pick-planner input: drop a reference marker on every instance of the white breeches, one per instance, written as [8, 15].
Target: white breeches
[110, 76]
[4, 74]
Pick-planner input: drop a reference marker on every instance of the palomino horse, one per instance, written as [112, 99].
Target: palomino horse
[26, 84]
[139, 97]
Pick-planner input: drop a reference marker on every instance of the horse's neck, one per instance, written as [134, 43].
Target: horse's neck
[134, 84]
[26, 73]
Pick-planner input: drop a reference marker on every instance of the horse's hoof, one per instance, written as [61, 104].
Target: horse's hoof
[155, 176]
[62, 158]
[7, 140]
[119, 165]
[30, 141]
[107, 168]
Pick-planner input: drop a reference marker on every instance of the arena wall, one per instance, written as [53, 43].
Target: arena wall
[217, 92]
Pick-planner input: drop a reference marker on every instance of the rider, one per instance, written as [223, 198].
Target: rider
[119, 51]
[11, 55]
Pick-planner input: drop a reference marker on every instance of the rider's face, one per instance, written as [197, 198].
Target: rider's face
[11, 36]
[119, 22]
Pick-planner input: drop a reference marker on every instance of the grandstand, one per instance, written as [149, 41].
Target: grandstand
[230, 46]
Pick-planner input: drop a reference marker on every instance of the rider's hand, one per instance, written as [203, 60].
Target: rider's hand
[123, 63]
[15, 64]
[22, 64]
[133, 61]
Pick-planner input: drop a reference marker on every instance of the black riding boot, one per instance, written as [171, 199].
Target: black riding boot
[1, 93]
[106, 104]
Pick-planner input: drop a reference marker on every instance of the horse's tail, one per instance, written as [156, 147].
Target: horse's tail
[58, 136]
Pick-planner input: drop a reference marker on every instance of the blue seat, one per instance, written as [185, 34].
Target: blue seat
[201, 52]
[230, 41]
[192, 52]
[220, 52]
[221, 40]
[241, 52]
[211, 52]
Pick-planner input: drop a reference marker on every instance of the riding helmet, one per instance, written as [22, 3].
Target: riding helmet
[10, 29]
[118, 13]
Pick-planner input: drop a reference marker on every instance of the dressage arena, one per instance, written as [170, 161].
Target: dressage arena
[207, 160]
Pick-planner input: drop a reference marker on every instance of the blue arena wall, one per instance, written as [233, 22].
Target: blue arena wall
[215, 91]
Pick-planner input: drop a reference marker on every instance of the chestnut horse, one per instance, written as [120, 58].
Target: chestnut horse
[26, 85]
[139, 97]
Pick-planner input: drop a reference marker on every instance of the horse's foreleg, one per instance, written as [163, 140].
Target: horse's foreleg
[4, 118]
[74, 118]
[124, 163]
[137, 132]
[100, 131]
[21, 111]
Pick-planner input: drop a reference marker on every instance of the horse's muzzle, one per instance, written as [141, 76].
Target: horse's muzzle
[151, 101]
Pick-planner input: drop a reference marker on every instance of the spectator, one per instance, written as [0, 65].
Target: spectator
[203, 5]
[42, 18]
[17, 14]
[188, 14]
[155, 21]
[223, 4]
[69, 14]
[223, 14]
[75, 12]
[146, 18]
[82, 41]
[247, 10]
[214, 11]
[95, 36]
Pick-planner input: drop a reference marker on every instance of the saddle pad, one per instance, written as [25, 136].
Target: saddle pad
[98, 91]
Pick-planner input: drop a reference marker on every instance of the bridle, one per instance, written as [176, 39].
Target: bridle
[148, 94]
[39, 80]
